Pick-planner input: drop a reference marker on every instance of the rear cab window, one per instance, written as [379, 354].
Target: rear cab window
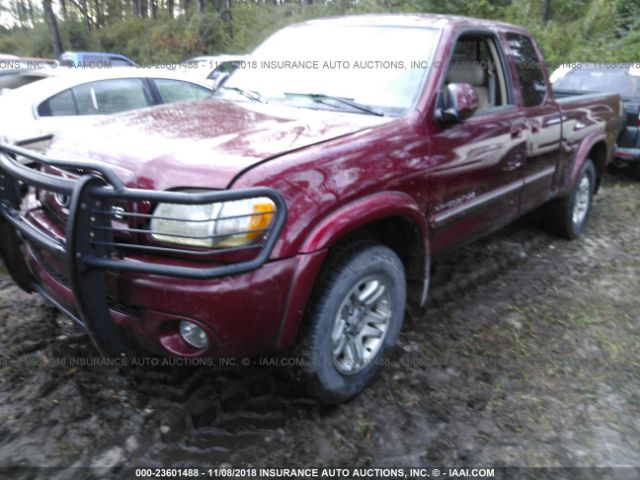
[533, 87]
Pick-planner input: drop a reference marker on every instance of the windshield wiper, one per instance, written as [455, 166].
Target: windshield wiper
[250, 94]
[325, 99]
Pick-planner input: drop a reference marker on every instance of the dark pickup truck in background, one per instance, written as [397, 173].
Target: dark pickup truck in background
[620, 78]
[302, 205]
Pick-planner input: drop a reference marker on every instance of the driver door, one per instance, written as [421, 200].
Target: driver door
[476, 182]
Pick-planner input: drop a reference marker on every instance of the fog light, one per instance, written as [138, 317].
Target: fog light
[193, 335]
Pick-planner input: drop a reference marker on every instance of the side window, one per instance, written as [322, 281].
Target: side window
[532, 85]
[119, 62]
[178, 91]
[229, 66]
[95, 61]
[476, 61]
[58, 105]
[111, 96]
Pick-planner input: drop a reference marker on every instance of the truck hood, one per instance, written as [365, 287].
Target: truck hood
[201, 144]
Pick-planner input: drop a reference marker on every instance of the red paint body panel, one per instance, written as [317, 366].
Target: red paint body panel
[242, 314]
[302, 284]
[185, 145]
[337, 172]
[361, 212]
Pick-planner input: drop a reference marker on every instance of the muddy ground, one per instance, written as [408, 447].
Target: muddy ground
[528, 355]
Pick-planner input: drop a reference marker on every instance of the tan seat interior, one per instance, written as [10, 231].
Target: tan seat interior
[474, 75]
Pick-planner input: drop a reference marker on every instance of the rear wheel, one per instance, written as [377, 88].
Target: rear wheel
[568, 216]
[355, 318]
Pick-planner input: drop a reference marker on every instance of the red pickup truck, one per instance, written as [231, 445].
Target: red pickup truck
[303, 204]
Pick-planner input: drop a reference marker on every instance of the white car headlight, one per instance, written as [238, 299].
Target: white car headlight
[213, 225]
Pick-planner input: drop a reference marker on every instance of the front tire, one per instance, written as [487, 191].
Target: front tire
[355, 317]
[567, 217]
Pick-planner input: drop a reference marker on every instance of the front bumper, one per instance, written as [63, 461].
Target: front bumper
[241, 314]
[113, 288]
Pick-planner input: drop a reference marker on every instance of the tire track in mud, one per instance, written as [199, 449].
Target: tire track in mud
[227, 418]
[222, 416]
[197, 414]
[80, 415]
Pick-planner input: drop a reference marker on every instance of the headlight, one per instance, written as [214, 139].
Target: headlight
[213, 225]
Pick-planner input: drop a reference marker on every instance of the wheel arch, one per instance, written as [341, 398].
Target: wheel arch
[593, 148]
[392, 218]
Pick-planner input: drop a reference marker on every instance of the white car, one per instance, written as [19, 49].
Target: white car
[214, 68]
[19, 71]
[70, 98]
[11, 79]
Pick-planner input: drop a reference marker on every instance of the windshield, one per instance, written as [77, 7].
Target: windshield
[380, 67]
[611, 79]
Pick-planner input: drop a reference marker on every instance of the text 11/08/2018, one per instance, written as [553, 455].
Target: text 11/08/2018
[341, 473]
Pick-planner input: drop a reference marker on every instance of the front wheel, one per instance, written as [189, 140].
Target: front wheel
[355, 317]
[567, 216]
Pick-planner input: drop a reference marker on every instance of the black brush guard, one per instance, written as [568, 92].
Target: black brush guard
[90, 248]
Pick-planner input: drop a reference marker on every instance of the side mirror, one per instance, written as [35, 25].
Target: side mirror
[460, 102]
[220, 80]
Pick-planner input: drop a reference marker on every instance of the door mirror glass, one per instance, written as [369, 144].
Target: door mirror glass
[460, 102]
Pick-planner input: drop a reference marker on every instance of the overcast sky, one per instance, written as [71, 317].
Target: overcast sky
[7, 20]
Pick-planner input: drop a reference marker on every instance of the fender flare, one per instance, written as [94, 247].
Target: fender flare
[329, 231]
[580, 157]
[361, 212]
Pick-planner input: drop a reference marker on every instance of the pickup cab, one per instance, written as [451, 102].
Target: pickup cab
[301, 207]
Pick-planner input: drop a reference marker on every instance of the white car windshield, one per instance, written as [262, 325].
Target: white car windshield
[618, 79]
[363, 69]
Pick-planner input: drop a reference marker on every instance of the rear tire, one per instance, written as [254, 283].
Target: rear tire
[355, 317]
[567, 216]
